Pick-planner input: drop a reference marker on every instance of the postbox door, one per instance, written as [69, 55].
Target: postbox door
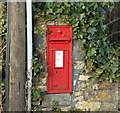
[60, 69]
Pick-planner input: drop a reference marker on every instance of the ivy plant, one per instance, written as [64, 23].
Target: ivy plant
[39, 71]
[87, 20]
[3, 37]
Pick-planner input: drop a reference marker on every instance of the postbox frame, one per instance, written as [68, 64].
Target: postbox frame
[68, 42]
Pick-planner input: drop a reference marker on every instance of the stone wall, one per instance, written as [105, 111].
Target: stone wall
[86, 96]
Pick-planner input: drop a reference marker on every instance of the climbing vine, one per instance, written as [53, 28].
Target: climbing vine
[39, 73]
[3, 35]
[87, 20]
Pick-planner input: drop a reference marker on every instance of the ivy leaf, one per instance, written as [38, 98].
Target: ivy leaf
[110, 8]
[95, 6]
[36, 93]
[92, 30]
[82, 16]
[53, 17]
[2, 84]
[72, 3]
[50, 32]
[101, 50]
[111, 79]
[11, 83]
[92, 51]
[114, 69]
[45, 74]
[83, 7]
[102, 11]
[37, 31]
[104, 3]
[49, 4]
[59, 10]
[99, 71]
[83, 41]
[50, 10]
[118, 79]
[91, 79]
[91, 4]
[67, 4]
[91, 21]
[42, 13]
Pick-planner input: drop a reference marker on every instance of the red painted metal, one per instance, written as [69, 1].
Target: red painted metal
[59, 42]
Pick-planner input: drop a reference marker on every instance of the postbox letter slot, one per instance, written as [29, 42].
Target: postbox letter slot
[60, 41]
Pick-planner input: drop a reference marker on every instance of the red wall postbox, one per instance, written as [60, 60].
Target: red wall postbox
[59, 59]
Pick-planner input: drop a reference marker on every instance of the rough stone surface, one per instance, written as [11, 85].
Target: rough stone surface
[78, 50]
[83, 77]
[108, 107]
[88, 106]
[65, 108]
[104, 96]
[79, 64]
[78, 93]
[62, 99]
[46, 109]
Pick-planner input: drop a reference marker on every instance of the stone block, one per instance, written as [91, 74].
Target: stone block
[83, 77]
[108, 86]
[108, 107]
[65, 108]
[78, 50]
[95, 87]
[62, 99]
[88, 106]
[78, 93]
[79, 99]
[46, 109]
[78, 71]
[105, 96]
[79, 64]
[83, 85]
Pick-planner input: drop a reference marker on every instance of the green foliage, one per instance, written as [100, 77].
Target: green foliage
[3, 37]
[55, 106]
[50, 32]
[74, 110]
[3, 34]
[87, 20]
[39, 69]
[39, 66]
[39, 72]
[36, 98]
